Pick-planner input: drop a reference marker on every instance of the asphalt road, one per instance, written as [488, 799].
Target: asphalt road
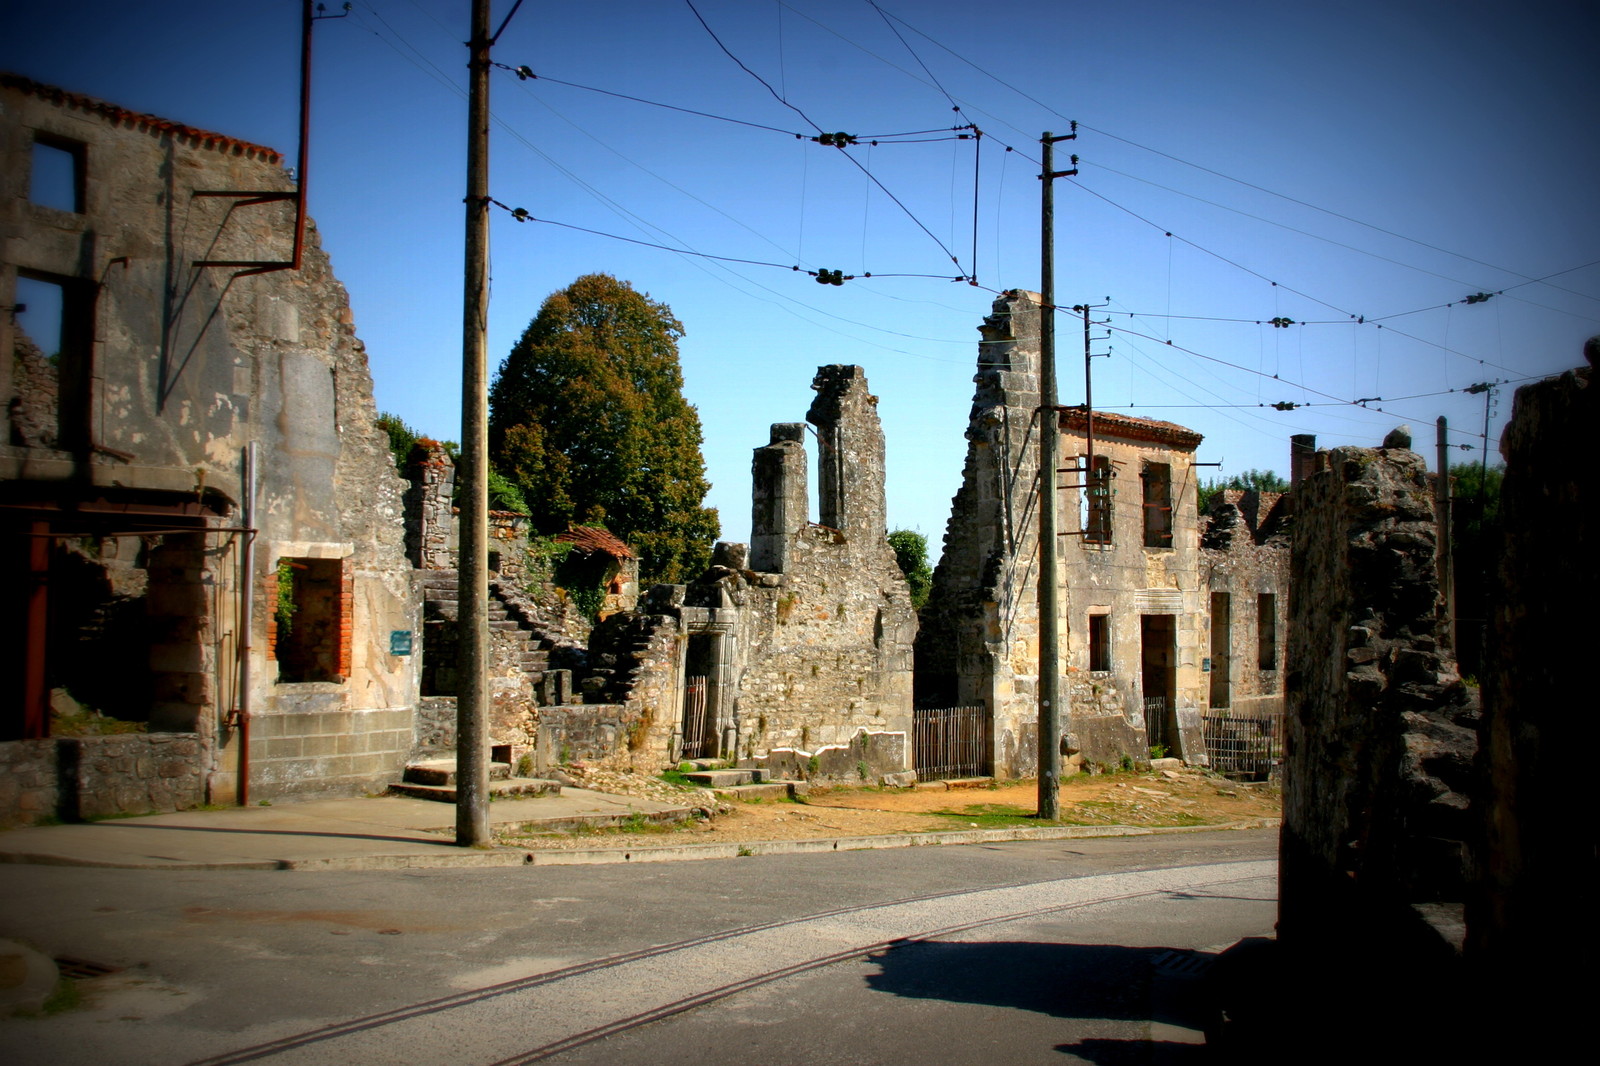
[1060, 951]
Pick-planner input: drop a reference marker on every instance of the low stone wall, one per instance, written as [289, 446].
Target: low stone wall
[871, 758]
[28, 783]
[602, 735]
[73, 778]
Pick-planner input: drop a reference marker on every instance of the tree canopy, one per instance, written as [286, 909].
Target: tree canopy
[1260, 480]
[587, 418]
[911, 554]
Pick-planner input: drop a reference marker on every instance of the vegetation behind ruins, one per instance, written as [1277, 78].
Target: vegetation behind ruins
[588, 420]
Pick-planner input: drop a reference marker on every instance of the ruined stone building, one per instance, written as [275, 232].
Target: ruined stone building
[1146, 615]
[192, 629]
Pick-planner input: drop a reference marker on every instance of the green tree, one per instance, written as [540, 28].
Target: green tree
[587, 418]
[1260, 480]
[401, 438]
[911, 553]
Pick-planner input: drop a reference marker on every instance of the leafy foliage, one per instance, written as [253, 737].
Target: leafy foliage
[504, 495]
[402, 438]
[587, 418]
[911, 553]
[1260, 480]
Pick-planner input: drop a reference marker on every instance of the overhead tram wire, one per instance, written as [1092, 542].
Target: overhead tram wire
[966, 275]
[522, 215]
[427, 67]
[526, 73]
[1215, 173]
[1208, 170]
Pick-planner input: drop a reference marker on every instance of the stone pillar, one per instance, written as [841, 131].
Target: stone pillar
[1302, 457]
[850, 454]
[428, 514]
[779, 510]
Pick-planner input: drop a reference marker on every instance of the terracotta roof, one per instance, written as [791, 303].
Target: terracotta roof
[122, 116]
[590, 539]
[1127, 427]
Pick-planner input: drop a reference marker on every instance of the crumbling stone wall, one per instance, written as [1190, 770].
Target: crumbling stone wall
[156, 410]
[805, 640]
[1538, 858]
[1244, 552]
[979, 637]
[1381, 731]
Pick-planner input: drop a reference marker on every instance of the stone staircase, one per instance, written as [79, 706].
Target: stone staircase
[743, 784]
[435, 779]
[513, 616]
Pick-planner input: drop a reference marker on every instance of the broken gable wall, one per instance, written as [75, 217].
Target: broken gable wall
[979, 641]
[1244, 552]
[819, 629]
[182, 366]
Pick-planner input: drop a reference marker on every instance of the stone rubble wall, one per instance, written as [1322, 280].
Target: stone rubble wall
[1381, 730]
[1245, 551]
[82, 778]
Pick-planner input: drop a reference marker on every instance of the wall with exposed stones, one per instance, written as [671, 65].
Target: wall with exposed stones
[157, 407]
[1381, 730]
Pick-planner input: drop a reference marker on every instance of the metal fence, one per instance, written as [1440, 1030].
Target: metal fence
[948, 742]
[1249, 744]
[696, 736]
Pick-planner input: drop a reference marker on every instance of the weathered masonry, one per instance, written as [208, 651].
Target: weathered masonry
[1135, 639]
[793, 651]
[222, 625]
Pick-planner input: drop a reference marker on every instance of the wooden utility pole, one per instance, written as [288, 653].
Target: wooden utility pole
[1441, 492]
[1049, 466]
[472, 663]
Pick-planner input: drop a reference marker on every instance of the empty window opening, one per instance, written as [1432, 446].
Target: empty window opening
[310, 621]
[49, 357]
[1157, 479]
[1267, 631]
[1221, 648]
[1095, 500]
[56, 176]
[1099, 643]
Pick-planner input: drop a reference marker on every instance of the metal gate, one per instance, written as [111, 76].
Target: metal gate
[949, 742]
[1246, 744]
[698, 742]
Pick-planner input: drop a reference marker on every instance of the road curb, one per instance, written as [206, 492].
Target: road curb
[829, 845]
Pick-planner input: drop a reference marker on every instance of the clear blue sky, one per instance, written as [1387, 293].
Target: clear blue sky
[1456, 139]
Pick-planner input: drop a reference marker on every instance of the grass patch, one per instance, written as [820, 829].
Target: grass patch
[1000, 816]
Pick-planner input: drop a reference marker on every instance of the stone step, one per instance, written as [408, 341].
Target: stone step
[506, 788]
[722, 778]
[435, 772]
[763, 791]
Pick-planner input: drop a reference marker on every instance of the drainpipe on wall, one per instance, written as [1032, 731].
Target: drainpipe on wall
[247, 600]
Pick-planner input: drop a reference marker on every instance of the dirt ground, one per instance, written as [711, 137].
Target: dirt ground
[1167, 798]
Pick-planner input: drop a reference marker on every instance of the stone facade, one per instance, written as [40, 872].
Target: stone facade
[1133, 614]
[183, 341]
[1244, 556]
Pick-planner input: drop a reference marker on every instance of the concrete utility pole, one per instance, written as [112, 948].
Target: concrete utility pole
[1441, 488]
[1049, 466]
[472, 663]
